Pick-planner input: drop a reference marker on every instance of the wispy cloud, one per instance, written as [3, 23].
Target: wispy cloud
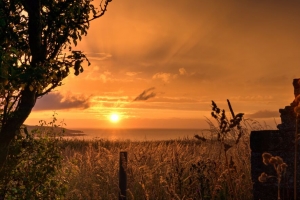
[145, 95]
[182, 71]
[56, 101]
[132, 73]
[105, 76]
[95, 73]
[253, 98]
[98, 56]
[264, 114]
[165, 77]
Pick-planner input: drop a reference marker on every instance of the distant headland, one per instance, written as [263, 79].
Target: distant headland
[63, 131]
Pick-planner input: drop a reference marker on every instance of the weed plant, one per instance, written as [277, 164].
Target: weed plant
[279, 167]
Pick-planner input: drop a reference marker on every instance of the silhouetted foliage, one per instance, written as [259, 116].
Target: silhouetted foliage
[32, 171]
[36, 39]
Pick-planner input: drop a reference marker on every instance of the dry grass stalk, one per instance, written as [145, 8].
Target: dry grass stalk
[179, 169]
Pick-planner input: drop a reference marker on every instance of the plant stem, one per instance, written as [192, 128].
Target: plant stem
[230, 178]
[278, 190]
[230, 108]
[295, 159]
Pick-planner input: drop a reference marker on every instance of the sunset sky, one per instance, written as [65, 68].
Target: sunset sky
[158, 64]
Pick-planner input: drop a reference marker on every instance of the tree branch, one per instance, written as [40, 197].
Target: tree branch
[103, 10]
[16, 99]
[54, 85]
[33, 7]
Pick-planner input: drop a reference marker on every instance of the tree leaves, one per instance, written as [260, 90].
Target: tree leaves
[31, 88]
[72, 23]
[62, 23]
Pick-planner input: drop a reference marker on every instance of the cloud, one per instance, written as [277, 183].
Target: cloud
[98, 56]
[264, 114]
[56, 101]
[165, 77]
[145, 95]
[105, 76]
[96, 74]
[132, 73]
[253, 98]
[182, 71]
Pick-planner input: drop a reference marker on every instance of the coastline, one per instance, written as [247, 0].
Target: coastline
[63, 131]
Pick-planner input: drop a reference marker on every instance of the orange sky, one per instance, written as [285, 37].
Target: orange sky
[186, 53]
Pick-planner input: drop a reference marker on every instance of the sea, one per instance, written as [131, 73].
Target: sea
[139, 134]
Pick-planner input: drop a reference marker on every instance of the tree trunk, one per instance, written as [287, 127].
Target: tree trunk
[17, 118]
[12, 126]
[28, 98]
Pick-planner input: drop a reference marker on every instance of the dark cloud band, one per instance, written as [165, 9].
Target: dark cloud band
[264, 114]
[56, 101]
[145, 95]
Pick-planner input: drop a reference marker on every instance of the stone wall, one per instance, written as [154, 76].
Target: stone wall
[281, 143]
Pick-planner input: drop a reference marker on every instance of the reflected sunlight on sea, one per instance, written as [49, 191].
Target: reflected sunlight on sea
[141, 134]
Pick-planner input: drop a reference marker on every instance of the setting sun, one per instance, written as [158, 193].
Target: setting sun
[114, 118]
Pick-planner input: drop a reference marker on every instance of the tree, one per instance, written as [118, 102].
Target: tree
[36, 39]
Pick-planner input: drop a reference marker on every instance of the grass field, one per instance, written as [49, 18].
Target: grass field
[215, 167]
[177, 169]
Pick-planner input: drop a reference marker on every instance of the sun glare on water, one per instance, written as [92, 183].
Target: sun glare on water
[114, 118]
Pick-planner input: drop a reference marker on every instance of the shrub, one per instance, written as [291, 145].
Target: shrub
[38, 162]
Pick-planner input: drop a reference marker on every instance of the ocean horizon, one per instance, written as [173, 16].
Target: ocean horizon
[138, 134]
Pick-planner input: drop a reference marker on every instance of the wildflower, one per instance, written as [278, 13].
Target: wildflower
[284, 166]
[263, 177]
[266, 158]
[273, 161]
[279, 166]
[279, 160]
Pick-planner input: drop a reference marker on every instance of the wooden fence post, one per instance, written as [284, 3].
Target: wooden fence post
[123, 175]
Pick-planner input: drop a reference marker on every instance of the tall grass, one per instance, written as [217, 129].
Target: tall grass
[192, 168]
[175, 169]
